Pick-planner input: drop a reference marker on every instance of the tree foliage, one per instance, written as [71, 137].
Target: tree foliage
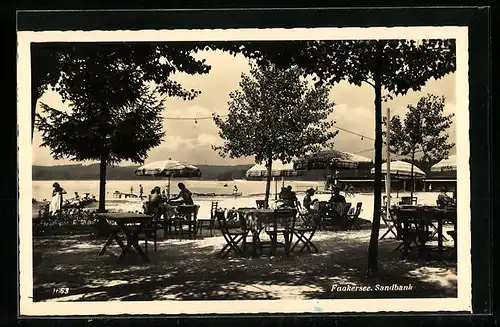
[275, 116]
[110, 89]
[422, 130]
[75, 70]
[127, 132]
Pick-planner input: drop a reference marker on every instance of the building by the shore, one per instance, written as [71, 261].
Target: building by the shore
[362, 179]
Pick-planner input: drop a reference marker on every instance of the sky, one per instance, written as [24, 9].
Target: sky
[191, 142]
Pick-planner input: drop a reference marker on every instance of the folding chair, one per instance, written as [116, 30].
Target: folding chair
[353, 216]
[260, 204]
[343, 214]
[235, 238]
[390, 223]
[306, 232]
[412, 229]
[186, 216]
[150, 231]
[408, 200]
[211, 221]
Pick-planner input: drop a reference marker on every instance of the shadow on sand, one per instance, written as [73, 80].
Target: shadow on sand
[191, 270]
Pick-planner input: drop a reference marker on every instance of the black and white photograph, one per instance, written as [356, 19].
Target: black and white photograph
[244, 171]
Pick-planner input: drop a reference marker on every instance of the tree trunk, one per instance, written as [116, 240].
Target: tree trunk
[377, 201]
[269, 178]
[412, 190]
[102, 183]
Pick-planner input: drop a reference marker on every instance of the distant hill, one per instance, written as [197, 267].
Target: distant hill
[91, 172]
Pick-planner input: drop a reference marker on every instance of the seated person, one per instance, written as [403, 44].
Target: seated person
[154, 200]
[184, 196]
[309, 203]
[288, 197]
[337, 201]
[336, 196]
[444, 200]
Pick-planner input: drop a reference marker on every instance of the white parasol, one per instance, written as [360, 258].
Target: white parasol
[401, 169]
[447, 164]
[168, 168]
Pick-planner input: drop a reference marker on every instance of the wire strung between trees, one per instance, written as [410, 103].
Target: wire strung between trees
[195, 119]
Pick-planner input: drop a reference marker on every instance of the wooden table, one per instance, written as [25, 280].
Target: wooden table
[428, 214]
[255, 220]
[131, 224]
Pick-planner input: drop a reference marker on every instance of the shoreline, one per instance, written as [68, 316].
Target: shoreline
[231, 202]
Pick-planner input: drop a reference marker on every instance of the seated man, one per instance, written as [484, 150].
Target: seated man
[444, 200]
[184, 196]
[308, 202]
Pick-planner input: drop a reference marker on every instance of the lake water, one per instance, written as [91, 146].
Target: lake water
[251, 190]
[43, 189]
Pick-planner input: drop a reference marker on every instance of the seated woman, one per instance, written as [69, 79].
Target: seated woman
[154, 200]
[184, 196]
[309, 203]
[444, 200]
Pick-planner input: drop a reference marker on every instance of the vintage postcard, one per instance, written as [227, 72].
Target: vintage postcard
[307, 170]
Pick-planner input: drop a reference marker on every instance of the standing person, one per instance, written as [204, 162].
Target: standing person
[235, 191]
[141, 191]
[57, 198]
[131, 190]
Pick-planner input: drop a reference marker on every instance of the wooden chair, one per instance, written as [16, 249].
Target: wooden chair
[235, 237]
[353, 216]
[305, 232]
[186, 216]
[211, 221]
[283, 223]
[261, 204]
[408, 200]
[413, 231]
[150, 231]
[336, 215]
[390, 223]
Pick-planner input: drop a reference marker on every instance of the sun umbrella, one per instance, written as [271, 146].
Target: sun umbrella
[278, 169]
[168, 168]
[328, 159]
[448, 164]
[402, 170]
